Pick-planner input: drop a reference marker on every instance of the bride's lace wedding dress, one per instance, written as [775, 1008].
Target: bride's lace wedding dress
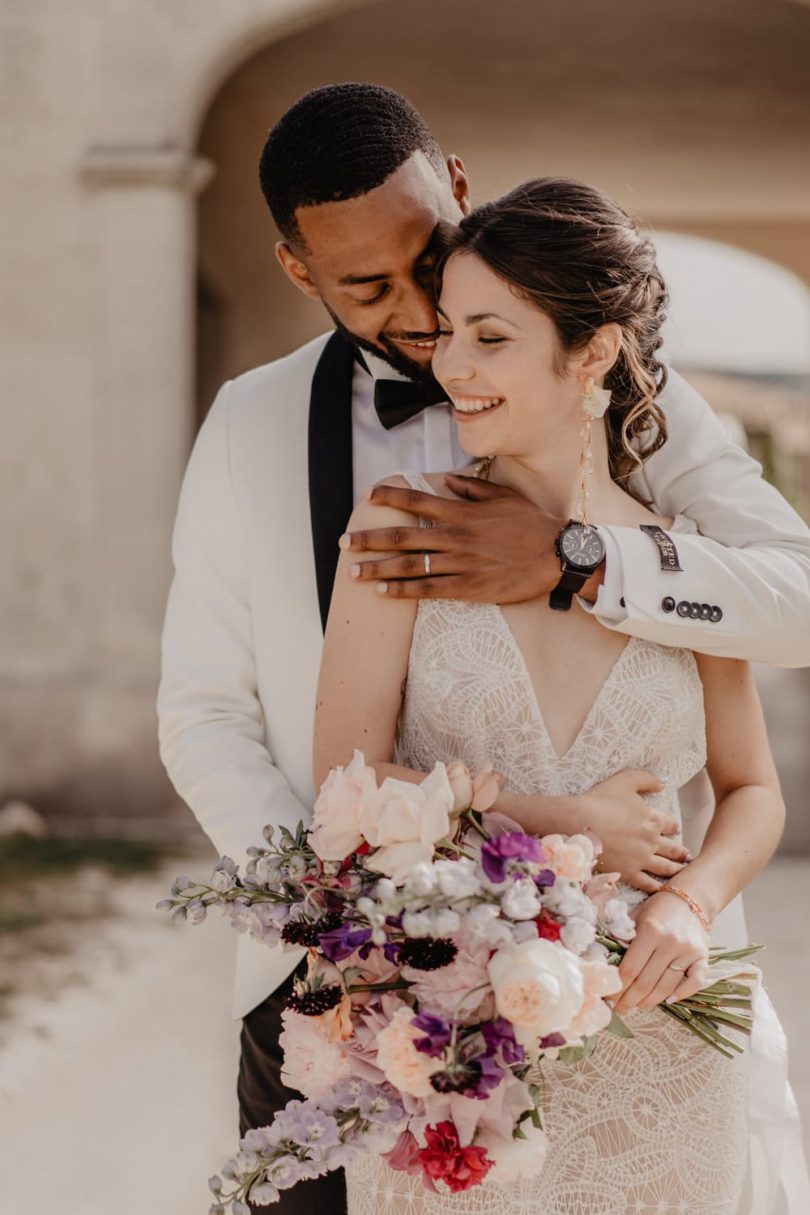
[656, 1123]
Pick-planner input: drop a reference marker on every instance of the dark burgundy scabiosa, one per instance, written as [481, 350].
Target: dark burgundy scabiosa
[307, 932]
[496, 853]
[427, 953]
[314, 1003]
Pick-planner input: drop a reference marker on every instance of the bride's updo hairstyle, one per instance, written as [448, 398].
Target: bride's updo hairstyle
[573, 252]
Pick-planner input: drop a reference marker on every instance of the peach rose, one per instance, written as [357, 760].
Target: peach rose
[404, 1066]
[570, 857]
[538, 986]
[599, 980]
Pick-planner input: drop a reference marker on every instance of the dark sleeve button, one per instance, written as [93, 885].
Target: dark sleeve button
[621, 602]
[705, 611]
[684, 608]
[717, 614]
[668, 604]
[694, 611]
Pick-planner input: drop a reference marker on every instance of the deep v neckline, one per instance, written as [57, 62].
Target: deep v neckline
[418, 481]
[525, 673]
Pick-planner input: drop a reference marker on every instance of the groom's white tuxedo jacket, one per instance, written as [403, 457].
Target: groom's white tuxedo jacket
[268, 490]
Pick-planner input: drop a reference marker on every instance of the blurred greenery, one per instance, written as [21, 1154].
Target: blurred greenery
[21, 856]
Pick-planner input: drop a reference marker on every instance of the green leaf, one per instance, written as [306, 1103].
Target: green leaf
[617, 1026]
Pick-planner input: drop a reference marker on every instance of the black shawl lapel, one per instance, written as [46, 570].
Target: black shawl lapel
[331, 490]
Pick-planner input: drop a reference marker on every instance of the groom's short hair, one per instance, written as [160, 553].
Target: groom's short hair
[339, 142]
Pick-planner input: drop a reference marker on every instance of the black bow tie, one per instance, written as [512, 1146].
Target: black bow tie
[398, 400]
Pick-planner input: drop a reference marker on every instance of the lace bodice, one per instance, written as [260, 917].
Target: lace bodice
[469, 696]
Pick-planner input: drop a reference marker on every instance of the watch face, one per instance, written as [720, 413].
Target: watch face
[581, 546]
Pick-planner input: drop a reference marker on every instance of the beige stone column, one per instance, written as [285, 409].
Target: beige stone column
[144, 208]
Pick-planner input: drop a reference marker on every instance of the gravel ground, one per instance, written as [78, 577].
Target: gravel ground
[117, 1089]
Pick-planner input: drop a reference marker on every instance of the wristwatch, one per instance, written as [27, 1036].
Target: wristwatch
[581, 551]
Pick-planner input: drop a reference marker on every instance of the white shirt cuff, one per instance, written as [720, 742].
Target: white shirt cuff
[609, 607]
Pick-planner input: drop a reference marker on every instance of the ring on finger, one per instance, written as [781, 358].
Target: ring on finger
[427, 564]
[682, 969]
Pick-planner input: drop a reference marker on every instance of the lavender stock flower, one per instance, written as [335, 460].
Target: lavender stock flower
[511, 846]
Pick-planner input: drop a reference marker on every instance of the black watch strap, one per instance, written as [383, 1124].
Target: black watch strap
[570, 584]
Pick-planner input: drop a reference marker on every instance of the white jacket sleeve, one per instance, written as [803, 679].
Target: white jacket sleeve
[211, 724]
[743, 590]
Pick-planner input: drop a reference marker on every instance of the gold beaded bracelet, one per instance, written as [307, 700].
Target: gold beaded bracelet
[694, 907]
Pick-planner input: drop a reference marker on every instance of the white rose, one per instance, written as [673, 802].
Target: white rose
[538, 986]
[403, 821]
[336, 828]
[520, 901]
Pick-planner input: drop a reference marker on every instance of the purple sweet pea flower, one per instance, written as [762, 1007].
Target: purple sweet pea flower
[552, 1040]
[437, 1031]
[471, 1078]
[342, 941]
[500, 1035]
[512, 845]
[546, 877]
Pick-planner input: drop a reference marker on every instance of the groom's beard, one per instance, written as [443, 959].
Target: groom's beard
[418, 372]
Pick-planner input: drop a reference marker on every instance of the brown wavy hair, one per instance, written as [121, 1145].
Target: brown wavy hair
[573, 252]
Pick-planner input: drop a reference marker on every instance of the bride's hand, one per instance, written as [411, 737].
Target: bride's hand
[634, 835]
[668, 957]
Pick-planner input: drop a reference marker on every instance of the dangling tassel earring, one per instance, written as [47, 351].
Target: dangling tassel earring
[594, 404]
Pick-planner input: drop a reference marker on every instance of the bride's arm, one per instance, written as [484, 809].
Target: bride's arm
[741, 839]
[364, 664]
[750, 813]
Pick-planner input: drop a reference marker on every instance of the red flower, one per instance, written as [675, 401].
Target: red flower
[444, 1159]
[547, 926]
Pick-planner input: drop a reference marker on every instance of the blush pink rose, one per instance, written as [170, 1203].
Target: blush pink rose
[403, 821]
[336, 829]
[600, 889]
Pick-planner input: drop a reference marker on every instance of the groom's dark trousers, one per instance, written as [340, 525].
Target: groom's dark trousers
[261, 1092]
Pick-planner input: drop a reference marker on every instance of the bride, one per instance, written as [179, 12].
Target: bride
[550, 308]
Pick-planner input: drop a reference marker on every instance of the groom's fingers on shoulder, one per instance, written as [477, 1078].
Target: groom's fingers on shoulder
[385, 539]
[444, 587]
[415, 501]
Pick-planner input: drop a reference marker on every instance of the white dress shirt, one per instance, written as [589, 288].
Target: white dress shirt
[427, 442]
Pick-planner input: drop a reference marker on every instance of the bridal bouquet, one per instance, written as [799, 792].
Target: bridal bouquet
[446, 958]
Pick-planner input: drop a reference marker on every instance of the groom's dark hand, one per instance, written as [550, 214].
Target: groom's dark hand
[488, 545]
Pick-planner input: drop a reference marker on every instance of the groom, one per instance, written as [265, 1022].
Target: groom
[357, 185]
